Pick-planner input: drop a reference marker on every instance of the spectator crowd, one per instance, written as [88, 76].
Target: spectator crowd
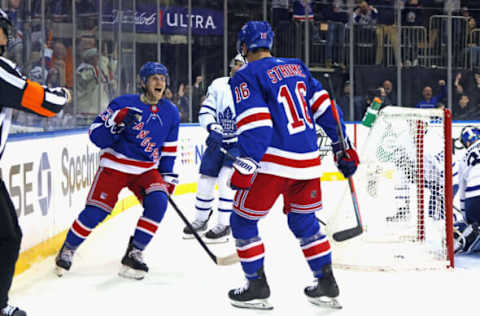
[90, 66]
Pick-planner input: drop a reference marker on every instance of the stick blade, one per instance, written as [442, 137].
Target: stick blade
[228, 260]
[348, 233]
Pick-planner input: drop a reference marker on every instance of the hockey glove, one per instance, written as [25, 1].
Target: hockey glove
[215, 135]
[244, 171]
[126, 117]
[171, 181]
[347, 161]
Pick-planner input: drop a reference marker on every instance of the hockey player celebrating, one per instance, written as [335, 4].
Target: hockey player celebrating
[467, 236]
[217, 115]
[278, 102]
[138, 137]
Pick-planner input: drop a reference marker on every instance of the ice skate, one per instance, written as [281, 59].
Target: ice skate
[133, 266]
[198, 225]
[325, 290]
[254, 294]
[63, 261]
[12, 311]
[218, 234]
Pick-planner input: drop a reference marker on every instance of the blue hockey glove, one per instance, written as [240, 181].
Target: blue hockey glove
[347, 161]
[215, 135]
[244, 171]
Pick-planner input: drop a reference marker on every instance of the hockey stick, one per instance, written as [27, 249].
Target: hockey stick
[222, 261]
[229, 155]
[357, 230]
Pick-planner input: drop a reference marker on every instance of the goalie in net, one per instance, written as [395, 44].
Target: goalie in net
[466, 232]
[403, 185]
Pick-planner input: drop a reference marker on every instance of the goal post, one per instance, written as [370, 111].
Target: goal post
[404, 189]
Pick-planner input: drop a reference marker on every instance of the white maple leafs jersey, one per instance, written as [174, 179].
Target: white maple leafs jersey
[218, 108]
[469, 174]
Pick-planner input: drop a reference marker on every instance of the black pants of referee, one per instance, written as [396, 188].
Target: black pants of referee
[10, 238]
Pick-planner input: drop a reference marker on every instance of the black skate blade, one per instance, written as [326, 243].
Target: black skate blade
[325, 301]
[129, 273]
[261, 304]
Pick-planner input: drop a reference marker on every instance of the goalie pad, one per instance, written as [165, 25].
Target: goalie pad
[466, 238]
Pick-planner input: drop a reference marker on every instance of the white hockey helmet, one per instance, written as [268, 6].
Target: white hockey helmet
[239, 58]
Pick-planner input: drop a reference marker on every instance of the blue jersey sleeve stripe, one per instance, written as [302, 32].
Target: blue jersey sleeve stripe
[207, 107]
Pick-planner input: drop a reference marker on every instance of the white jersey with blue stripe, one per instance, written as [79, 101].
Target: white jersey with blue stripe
[469, 174]
[218, 108]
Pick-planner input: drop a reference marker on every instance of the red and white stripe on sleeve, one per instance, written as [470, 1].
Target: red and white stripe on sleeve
[169, 149]
[320, 102]
[253, 118]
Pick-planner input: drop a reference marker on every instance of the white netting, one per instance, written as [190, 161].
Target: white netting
[400, 188]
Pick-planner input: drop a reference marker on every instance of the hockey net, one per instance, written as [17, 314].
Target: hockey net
[403, 185]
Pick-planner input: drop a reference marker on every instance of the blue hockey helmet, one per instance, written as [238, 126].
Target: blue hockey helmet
[469, 135]
[255, 34]
[152, 68]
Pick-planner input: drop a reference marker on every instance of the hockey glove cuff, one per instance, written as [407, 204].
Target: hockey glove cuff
[346, 161]
[215, 135]
[244, 173]
[126, 117]
[171, 181]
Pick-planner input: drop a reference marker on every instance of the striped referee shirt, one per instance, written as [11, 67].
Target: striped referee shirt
[18, 92]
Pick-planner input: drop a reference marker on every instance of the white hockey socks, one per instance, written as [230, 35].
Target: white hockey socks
[204, 197]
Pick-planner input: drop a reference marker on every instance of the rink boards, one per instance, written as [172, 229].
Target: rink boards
[50, 179]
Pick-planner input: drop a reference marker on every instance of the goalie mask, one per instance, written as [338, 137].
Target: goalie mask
[469, 135]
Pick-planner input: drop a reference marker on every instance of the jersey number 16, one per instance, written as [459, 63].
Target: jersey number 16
[297, 121]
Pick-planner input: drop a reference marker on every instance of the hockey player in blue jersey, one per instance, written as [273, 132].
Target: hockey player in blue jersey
[278, 103]
[467, 183]
[137, 135]
[217, 116]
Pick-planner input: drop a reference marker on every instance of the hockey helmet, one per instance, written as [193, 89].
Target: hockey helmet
[6, 25]
[152, 68]
[255, 34]
[469, 135]
[239, 58]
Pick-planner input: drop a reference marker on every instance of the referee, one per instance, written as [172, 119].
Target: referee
[17, 92]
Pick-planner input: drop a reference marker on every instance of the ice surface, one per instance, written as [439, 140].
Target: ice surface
[184, 281]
